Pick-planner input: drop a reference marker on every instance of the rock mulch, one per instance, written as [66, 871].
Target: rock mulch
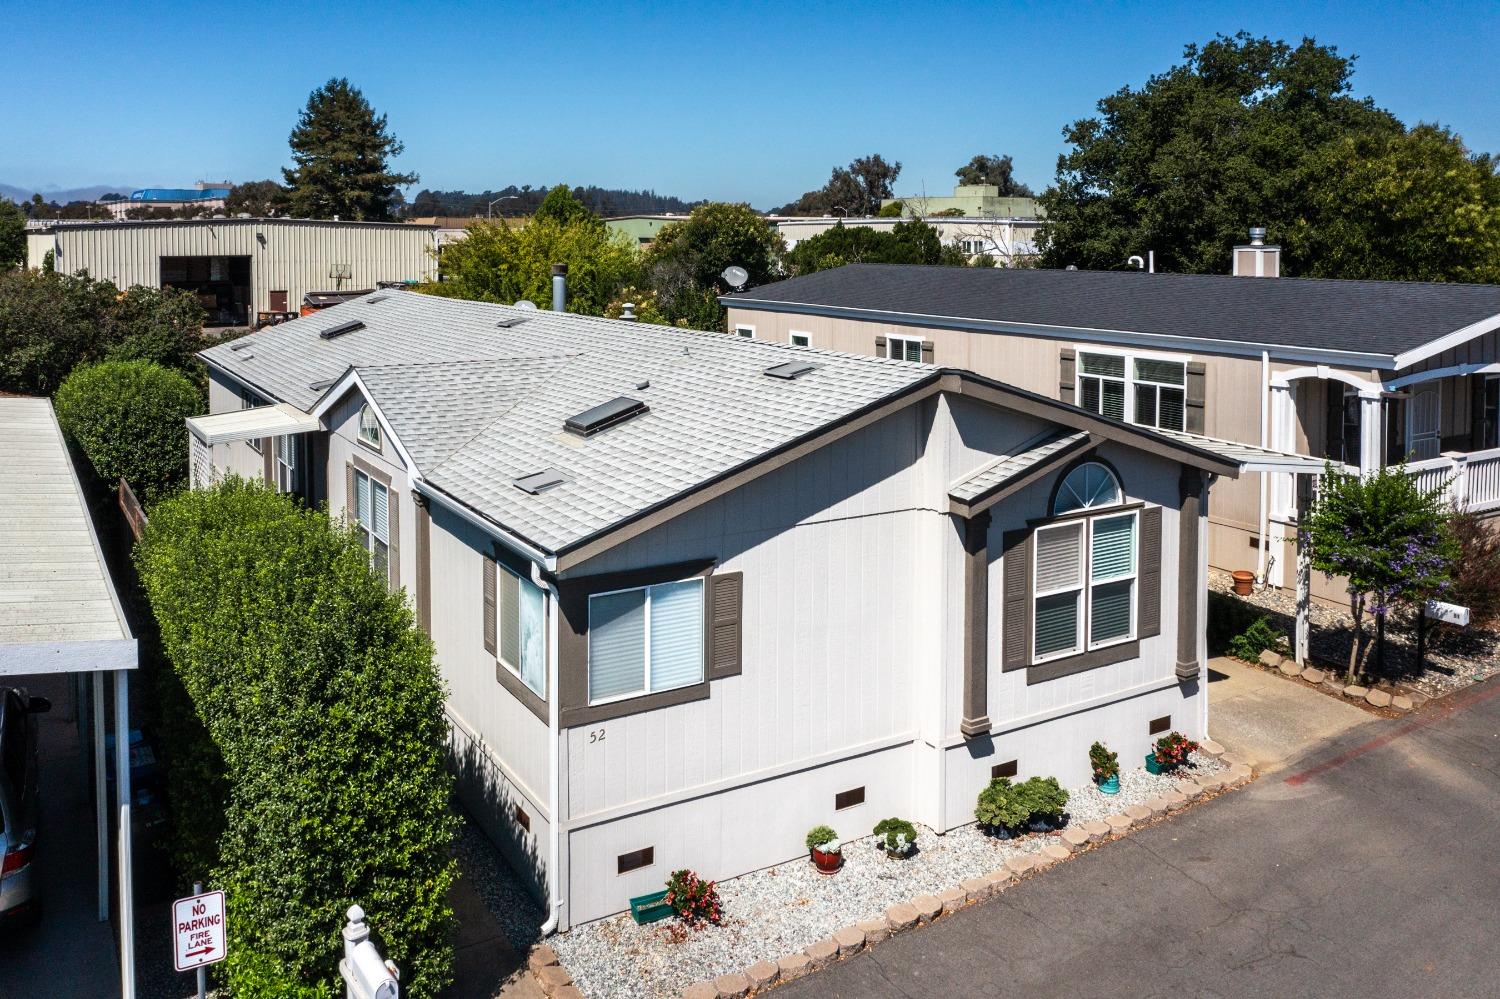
[794, 920]
[1454, 660]
[514, 908]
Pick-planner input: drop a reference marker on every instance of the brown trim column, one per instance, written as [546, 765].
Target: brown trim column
[424, 562]
[976, 719]
[1189, 584]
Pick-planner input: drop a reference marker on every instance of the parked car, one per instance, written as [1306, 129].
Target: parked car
[19, 778]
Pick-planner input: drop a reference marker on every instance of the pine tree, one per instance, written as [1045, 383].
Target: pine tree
[340, 148]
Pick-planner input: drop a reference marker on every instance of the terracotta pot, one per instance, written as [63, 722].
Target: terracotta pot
[826, 863]
[1243, 581]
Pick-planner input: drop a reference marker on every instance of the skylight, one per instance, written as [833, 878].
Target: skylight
[320, 384]
[538, 482]
[602, 417]
[790, 369]
[341, 329]
[377, 298]
[510, 321]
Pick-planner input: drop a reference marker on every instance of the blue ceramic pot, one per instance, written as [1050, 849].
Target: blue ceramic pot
[1111, 786]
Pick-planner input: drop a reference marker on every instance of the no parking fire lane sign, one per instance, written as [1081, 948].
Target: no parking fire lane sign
[198, 930]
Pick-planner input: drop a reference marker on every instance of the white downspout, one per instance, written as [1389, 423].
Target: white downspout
[554, 765]
[1265, 442]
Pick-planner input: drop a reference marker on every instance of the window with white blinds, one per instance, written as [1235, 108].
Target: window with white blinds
[645, 640]
[372, 518]
[904, 348]
[1074, 609]
[520, 621]
[1150, 391]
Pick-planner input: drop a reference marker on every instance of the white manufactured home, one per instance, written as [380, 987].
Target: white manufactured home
[693, 594]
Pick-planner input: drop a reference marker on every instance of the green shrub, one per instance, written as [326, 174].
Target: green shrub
[1103, 762]
[1045, 796]
[1228, 616]
[1476, 574]
[323, 701]
[896, 835]
[818, 835]
[1254, 640]
[694, 899]
[127, 416]
[1002, 805]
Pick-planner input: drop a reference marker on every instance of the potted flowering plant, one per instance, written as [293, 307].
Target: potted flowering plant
[1171, 752]
[897, 837]
[827, 853]
[693, 899]
[1106, 767]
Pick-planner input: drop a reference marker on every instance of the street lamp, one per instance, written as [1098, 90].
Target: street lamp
[490, 212]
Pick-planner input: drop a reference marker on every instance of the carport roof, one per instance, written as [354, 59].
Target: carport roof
[58, 608]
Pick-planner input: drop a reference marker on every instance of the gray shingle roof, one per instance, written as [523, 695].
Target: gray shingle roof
[1007, 467]
[1381, 317]
[478, 406]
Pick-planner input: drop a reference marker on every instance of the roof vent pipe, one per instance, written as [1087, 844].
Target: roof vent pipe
[559, 287]
[627, 311]
[1257, 235]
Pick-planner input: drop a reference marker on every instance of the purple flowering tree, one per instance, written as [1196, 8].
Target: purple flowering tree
[1387, 538]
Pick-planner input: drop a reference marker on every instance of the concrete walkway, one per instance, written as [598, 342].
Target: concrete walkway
[485, 965]
[1270, 720]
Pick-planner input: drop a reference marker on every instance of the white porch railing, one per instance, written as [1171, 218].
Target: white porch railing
[1468, 479]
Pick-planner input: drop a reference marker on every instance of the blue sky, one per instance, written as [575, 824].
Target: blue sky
[748, 101]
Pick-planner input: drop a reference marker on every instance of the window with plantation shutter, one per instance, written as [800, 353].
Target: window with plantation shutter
[489, 605]
[520, 622]
[645, 640]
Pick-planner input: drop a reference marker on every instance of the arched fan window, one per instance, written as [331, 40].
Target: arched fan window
[1086, 487]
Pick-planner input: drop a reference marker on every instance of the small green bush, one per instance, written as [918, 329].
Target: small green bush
[1002, 805]
[818, 835]
[1254, 640]
[1046, 797]
[896, 835]
[127, 417]
[1228, 616]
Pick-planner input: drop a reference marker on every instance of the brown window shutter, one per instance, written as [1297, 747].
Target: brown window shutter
[350, 504]
[1197, 378]
[725, 624]
[1476, 412]
[489, 605]
[927, 352]
[880, 350]
[1148, 605]
[510, 619]
[393, 528]
[268, 458]
[1015, 613]
[1067, 380]
[1333, 399]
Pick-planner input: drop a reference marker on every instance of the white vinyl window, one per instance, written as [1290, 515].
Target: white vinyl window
[1084, 570]
[369, 427]
[800, 339]
[521, 624]
[372, 518]
[1148, 391]
[903, 348]
[249, 400]
[745, 331]
[286, 463]
[645, 640]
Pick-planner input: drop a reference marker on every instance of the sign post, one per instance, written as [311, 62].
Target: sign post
[198, 933]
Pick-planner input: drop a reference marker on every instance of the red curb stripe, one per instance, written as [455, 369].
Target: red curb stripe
[1447, 706]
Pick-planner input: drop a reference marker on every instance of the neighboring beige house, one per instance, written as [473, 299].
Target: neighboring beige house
[1010, 241]
[693, 594]
[1364, 373]
[973, 200]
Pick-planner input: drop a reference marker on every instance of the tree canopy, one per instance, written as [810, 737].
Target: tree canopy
[993, 169]
[1239, 134]
[684, 263]
[260, 198]
[854, 190]
[341, 150]
[563, 208]
[909, 242]
[12, 235]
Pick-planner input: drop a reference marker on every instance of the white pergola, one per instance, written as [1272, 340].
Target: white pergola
[59, 613]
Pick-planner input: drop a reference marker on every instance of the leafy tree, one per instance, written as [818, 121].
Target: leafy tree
[1387, 537]
[894, 210]
[563, 208]
[1476, 571]
[646, 308]
[857, 189]
[1399, 206]
[685, 262]
[260, 198]
[499, 264]
[127, 416]
[162, 325]
[910, 242]
[1225, 140]
[12, 235]
[326, 708]
[342, 149]
[997, 170]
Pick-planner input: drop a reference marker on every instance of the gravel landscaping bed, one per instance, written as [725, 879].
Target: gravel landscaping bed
[1455, 659]
[785, 908]
[514, 908]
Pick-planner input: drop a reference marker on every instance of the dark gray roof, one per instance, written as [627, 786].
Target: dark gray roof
[1378, 317]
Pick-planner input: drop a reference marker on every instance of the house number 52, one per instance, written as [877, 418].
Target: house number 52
[597, 735]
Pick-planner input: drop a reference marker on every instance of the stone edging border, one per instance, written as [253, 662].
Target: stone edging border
[558, 984]
[1328, 682]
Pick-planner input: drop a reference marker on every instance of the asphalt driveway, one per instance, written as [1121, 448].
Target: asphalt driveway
[1367, 869]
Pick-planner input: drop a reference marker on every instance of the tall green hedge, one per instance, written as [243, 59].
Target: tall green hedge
[323, 701]
[127, 416]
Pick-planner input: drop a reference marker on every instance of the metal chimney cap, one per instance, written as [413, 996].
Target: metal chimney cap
[1257, 235]
[559, 270]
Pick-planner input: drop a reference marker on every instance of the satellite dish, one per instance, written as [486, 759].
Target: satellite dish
[736, 276]
[527, 304]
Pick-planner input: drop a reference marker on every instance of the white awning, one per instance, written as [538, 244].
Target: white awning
[250, 424]
[1249, 457]
[58, 609]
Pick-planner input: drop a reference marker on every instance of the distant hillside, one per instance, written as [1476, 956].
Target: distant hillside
[63, 195]
[525, 199]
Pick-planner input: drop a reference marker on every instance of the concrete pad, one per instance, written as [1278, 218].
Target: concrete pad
[1264, 718]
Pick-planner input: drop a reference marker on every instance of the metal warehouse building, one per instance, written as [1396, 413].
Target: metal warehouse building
[241, 267]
